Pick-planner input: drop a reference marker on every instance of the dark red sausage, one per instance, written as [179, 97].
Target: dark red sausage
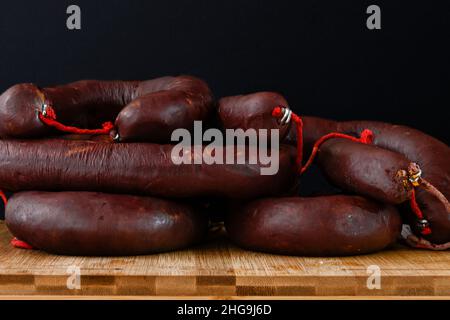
[83, 104]
[432, 155]
[136, 168]
[147, 110]
[88, 223]
[163, 105]
[318, 226]
[252, 111]
[365, 169]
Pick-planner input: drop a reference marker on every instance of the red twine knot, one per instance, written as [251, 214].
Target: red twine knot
[286, 115]
[367, 136]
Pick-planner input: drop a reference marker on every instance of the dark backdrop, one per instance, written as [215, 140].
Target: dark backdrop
[319, 54]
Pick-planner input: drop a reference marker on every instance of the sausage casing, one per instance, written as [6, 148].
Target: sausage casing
[318, 226]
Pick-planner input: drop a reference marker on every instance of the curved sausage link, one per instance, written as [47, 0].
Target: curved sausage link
[143, 110]
[317, 226]
[90, 223]
[138, 168]
[395, 147]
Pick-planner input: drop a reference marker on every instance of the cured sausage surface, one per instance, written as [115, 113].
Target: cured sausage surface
[135, 168]
[317, 226]
[252, 111]
[365, 169]
[432, 156]
[142, 110]
[91, 223]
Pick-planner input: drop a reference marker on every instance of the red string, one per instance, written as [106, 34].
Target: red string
[277, 112]
[50, 120]
[366, 137]
[15, 242]
[20, 244]
[416, 209]
[3, 196]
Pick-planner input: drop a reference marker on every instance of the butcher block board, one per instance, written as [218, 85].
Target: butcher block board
[220, 269]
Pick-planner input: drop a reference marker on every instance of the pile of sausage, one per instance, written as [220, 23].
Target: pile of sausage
[91, 171]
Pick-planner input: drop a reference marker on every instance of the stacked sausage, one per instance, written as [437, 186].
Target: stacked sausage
[396, 182]
[84, 185]
[115, 190]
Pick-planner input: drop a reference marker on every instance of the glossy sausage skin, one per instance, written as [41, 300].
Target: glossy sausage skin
[252, 111]
[134, 168]
[163, 105]
[365, 169]
[89, 223]
[336, 225]
[144, 110]
[432, 155]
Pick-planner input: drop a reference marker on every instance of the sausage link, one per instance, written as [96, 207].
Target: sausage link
[336, 225]
[252, 111]
[143, 110]
[365, 169]
[432, 155]
[136, 168]
[100, 224]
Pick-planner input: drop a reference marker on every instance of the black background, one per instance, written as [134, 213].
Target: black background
[319, 54]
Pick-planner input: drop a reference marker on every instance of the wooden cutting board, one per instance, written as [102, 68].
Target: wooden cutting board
[219, 269]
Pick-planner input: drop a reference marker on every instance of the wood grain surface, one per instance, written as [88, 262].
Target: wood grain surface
[219, 269]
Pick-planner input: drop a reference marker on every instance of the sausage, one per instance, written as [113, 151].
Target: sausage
[337, 225]
[365, 169]
[163, 105]
[252, 111]
[433, 157]
[144, 111]
[136, 168]
[100, 224]
[85, 103]
[412, 146]
[429, 153]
